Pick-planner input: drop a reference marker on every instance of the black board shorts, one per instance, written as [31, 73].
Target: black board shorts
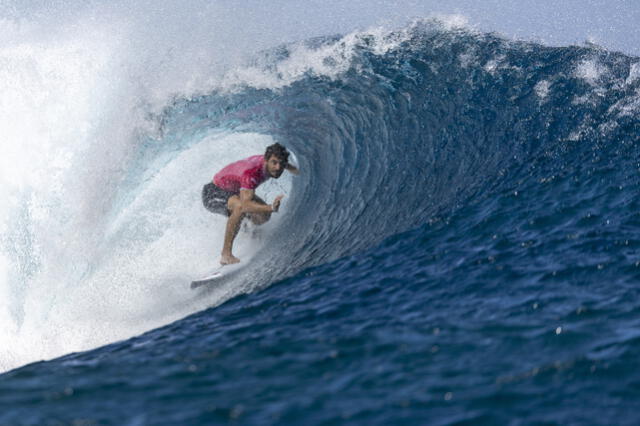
[215, 199]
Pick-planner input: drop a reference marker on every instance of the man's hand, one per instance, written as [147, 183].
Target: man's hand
[276, 203]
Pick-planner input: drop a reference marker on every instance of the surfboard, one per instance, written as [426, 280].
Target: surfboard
[217, 275]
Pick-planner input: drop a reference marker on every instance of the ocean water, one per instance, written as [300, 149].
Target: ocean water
[461, 246]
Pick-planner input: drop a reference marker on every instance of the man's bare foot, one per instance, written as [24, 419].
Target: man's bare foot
[228, 259]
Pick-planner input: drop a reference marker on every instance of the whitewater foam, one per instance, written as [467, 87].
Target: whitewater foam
[590, 70]
[333, 57]
[542, 89]
[136, 278]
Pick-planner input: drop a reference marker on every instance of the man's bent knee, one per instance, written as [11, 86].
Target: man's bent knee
[234, 205]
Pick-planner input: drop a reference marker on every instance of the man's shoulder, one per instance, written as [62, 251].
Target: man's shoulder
[258, 159]
[247, 163]
[254, 162]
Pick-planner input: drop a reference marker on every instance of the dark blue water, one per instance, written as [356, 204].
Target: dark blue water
[462, 248]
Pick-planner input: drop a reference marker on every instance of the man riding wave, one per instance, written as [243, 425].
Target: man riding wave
[232, 193]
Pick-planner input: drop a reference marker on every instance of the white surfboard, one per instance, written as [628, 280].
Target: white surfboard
[217, 275]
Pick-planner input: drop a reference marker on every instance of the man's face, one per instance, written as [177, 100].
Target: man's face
[275, 166]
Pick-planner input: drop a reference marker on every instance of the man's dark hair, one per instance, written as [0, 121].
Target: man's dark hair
[279, 151]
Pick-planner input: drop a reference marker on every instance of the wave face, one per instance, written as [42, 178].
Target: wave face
[462, 245]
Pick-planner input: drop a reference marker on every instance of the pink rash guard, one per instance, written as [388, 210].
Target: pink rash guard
[243, 174]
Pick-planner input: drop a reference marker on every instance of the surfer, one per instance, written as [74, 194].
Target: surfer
[232, 193]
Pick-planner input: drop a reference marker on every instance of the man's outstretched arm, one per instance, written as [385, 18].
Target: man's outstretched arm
[293, 169]
[248, 205]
